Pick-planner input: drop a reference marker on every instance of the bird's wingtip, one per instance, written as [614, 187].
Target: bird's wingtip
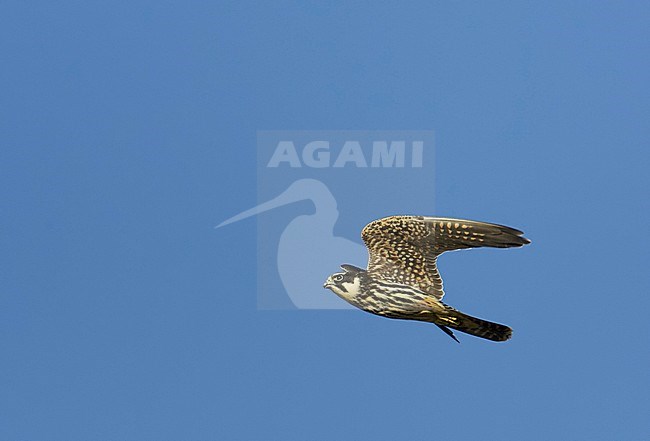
[449, 332]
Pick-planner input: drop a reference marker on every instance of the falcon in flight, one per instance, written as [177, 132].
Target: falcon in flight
[402, 280]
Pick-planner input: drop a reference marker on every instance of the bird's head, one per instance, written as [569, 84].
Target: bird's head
[347, 284]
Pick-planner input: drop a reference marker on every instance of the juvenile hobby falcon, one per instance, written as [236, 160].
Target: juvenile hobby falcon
[402, 280]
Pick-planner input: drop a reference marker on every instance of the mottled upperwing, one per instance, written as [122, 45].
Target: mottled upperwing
[404, 249]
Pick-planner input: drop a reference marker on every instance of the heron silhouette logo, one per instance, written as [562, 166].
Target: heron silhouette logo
[300, 244]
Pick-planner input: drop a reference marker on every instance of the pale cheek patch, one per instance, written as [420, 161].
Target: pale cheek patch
[352, 288]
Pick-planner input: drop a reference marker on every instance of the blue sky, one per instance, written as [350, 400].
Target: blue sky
[128, 130]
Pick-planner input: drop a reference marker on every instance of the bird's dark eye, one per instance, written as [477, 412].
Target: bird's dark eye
[338, 278]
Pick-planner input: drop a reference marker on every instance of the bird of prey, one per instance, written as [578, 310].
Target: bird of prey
[402, 280]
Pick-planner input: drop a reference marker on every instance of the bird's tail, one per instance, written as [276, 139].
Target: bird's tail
[474, 326]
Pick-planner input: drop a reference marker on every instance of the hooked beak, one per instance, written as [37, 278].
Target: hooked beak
[328, 283]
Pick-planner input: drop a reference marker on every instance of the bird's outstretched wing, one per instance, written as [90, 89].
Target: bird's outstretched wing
[404, 249]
